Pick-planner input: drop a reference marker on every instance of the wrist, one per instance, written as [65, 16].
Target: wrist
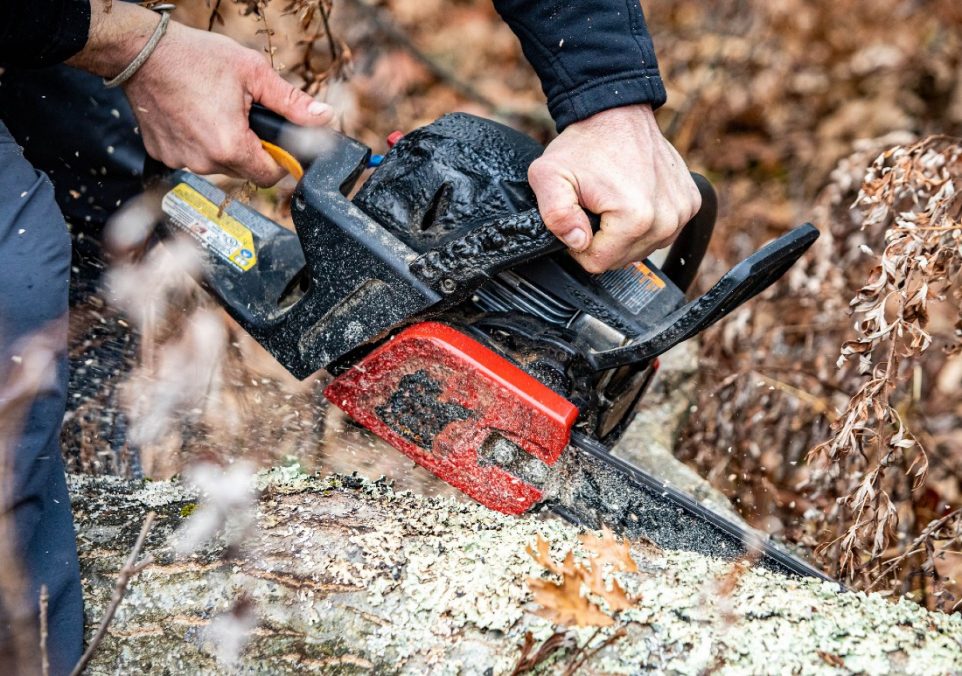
[116, 37]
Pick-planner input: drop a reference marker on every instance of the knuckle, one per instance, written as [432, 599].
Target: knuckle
[292, 97]
[557, 218]
[255, 63]
[666, 230]
[200, 166]
[222, 155]
[541, 169]
[640, 219]
[594, 266]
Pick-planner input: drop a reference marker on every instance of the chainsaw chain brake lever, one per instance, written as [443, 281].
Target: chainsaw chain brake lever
[740, 284]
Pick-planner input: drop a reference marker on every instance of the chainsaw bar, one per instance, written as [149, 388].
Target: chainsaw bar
[593, 488]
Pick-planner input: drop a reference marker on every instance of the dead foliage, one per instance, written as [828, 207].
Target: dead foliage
[575, 599]
[910, 194]
[586, 595]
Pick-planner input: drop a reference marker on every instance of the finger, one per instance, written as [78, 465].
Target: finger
[624, 234]
[271, 90]
[252, 162]
[559, 207]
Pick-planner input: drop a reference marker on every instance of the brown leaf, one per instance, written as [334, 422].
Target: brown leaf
[617, 599]
[607, 549]
[563, 603]
[831, 659]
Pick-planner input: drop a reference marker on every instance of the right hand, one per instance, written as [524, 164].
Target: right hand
[618, 165]
[192, 99]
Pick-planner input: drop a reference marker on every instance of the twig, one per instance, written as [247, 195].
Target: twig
[214, 15]
[130, 569]
[819, 404]
[44, 658]
[262, 13]
[913, 548]
[582, 656]
[326, 22]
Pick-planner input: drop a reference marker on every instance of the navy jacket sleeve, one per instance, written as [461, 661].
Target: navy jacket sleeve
[37, 33]
[591, 55]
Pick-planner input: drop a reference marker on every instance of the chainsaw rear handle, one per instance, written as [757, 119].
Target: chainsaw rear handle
[268, 125]
[685, 256]
[743, 282]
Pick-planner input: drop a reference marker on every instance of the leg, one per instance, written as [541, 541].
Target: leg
[34, 277]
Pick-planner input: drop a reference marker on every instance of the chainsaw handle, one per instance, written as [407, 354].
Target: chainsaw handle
[268, 125]
[743, 282]
[685, 256]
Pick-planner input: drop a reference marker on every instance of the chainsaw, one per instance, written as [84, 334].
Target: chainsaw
[458, 329]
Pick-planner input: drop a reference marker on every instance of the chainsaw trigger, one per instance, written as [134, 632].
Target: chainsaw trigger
[287, 161]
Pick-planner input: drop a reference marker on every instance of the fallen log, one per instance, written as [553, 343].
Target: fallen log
[344, 575]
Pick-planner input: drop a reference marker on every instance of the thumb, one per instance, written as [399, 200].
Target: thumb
[559, 206]
[271, 90]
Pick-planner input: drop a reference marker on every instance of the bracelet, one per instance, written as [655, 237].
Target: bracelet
[165, 9]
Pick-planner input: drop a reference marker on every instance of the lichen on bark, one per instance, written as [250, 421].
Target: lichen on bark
[350, 576]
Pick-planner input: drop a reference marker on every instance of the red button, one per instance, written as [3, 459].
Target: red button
[394, 137]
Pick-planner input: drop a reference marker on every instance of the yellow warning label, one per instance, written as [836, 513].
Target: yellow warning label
[222, 234]
[649, 276]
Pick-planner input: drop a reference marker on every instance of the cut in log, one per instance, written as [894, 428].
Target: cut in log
[349, 576]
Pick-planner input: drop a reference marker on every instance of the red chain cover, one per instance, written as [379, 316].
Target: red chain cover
[439, 396]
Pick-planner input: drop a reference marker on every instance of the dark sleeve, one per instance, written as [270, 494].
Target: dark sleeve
[36, 33]
[591, 55]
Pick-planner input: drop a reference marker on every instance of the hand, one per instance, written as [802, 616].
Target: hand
[193, 95]
[618, 165]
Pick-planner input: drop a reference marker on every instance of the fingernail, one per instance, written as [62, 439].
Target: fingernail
[576, 239]
[317, 108]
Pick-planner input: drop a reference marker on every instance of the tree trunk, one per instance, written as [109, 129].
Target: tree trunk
[349, 576]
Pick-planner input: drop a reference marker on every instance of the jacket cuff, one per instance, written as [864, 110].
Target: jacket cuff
[623, 89]
[72, 32]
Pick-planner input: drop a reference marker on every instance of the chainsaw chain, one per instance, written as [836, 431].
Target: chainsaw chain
[593, 488]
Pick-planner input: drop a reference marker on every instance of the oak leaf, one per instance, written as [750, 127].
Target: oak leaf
[562, 603]
[607, 549]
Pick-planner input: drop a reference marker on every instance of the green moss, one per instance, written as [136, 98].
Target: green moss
[187, 509]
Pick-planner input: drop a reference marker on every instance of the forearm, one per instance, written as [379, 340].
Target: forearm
[115, 37]
[591, 55]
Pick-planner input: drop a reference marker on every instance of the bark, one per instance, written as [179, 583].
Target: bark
[350, 576]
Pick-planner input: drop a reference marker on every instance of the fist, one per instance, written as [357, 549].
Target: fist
[617, 165]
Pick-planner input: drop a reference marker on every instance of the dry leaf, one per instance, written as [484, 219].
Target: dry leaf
[617, 598]
[831, 659]
[563, 603]
[607, 549]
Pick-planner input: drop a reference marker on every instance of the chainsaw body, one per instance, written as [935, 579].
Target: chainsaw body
[456, 326]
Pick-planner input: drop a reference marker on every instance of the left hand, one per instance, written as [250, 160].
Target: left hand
[618, 165]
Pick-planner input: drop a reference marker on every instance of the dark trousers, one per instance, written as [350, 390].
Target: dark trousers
[34, 278]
